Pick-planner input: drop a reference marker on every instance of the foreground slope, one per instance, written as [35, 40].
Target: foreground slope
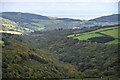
[21, 61]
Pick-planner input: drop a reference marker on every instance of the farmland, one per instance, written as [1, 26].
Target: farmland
[37, 47]
[110, 31]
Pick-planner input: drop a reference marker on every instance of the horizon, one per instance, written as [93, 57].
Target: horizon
[77, 9]
[59, 17]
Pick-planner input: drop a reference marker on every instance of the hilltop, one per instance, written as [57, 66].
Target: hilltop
[28, 22]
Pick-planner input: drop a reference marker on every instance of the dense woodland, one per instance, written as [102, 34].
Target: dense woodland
[53, 48]
[56, 56]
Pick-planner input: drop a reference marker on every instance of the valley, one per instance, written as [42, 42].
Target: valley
[40, 47]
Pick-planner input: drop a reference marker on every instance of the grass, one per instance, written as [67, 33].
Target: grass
[113, 42]
[104, 29]
[1, 42]
[113, 33]
[87, 36]
[110, 31]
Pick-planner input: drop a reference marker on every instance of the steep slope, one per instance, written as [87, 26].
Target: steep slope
[93, 59]
[8, 26]
[51, 54]
[21, 61]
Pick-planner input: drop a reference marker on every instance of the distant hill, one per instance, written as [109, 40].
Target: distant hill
[68, 19]
[35, 22]
[102, 21]
[18, 16]
[28, 22]
[110, 18]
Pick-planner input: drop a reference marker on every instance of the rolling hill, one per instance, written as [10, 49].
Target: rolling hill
[110, 18]
[92, 58]
[35, 22]
[54, 48]
[28, 22]
[103, 21]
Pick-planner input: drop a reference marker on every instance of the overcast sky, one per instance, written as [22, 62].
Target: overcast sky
[79, 9]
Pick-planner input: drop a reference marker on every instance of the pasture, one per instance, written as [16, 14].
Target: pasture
[109, 31]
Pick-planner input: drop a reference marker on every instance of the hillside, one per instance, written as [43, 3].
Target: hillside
[58, 56]
[110, 18]
[41, 47]
[34, 22]
[28, 22]
[21, 61]
[103, 21]
[93, 59]
[8, 26]
[104, 35]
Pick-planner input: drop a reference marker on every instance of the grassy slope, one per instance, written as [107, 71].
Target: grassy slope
[87, 36]
[7, 24]
[111, 31]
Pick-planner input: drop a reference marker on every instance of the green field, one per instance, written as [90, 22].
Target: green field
[1, 42]
[110, 31]
[87, 36]
[113, 33]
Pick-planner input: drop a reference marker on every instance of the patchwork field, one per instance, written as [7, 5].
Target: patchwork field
[103, 32]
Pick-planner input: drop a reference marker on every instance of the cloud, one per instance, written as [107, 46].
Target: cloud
[110, 0]
[56, 1]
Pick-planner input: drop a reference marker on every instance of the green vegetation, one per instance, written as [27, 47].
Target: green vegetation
[109, 31]
[1, 42]
[86, 36]
[106, 28]
[35, 22]
[21, 61]
[54, 50]
[40, 55]
[113, 42]
[113, 33]
[7, 24]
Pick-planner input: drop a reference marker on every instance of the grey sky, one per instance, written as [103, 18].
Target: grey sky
[86, 9]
